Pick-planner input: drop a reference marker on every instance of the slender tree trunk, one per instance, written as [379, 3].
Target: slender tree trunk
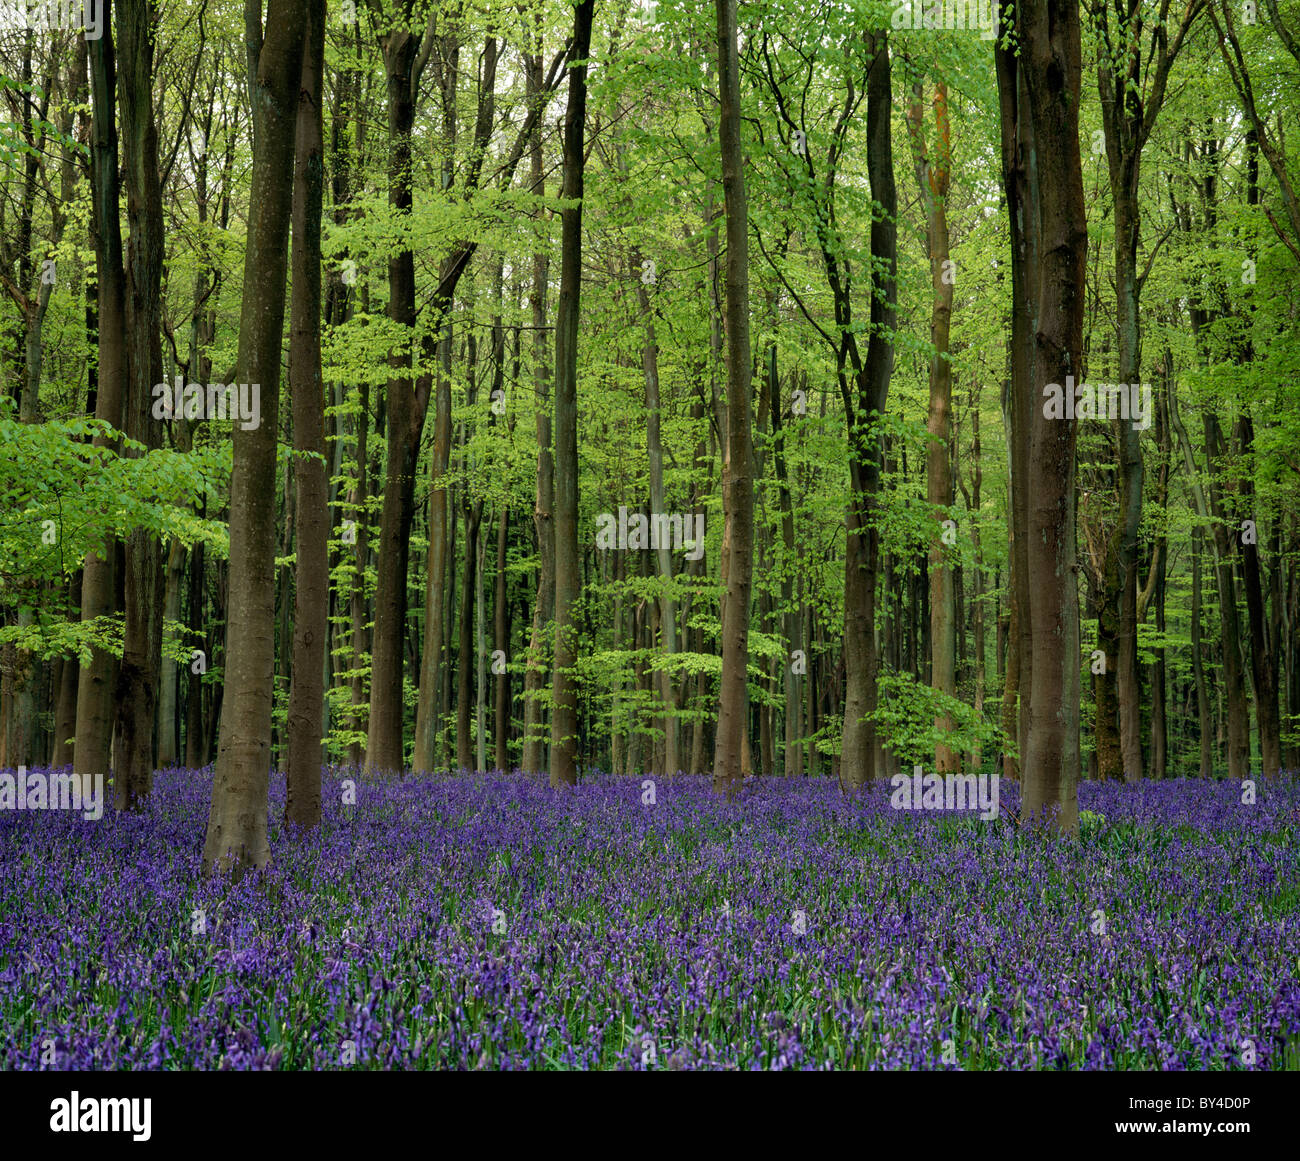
[738, 496]
[1234, 677]
[976, 756]
[793, 766]
[169, 694]
[360, 559]
[196, 736]
[860, 760]
[663, 559]
[65, 707]
[311, 571]
[236, 837]
[1131, 86]
[384, 749]
[480, 658]
[1263, 652]
[434, 676]
[1198, 664]
[465, 660]
[137, 683]
[95, 705]
[933, 179]
[534, 745]
[1011, 679]
[568, 577]
[1157, 583]
[501, 642]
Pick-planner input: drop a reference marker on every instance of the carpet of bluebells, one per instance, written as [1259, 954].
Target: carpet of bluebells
[489, 922]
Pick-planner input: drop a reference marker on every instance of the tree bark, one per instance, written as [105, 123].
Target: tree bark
[738, 497]
[1039, 91]
[933, 180]
[137, 683]
[1263, 645]
[92, 752]
[501, 642]
[534, 758]
[236, 837]
[568, 578]
[860, 760]
[306, 725]
[465, 660]
[384, 749]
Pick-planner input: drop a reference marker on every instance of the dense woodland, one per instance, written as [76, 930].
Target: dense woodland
[650, 388]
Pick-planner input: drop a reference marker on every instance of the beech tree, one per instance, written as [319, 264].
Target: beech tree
[236, 837]
[306, 726]
[1039, 76]
[738, 533]
[564, 701]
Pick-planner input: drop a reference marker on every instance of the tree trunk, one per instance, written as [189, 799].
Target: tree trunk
[1198, 664]
[501, 642]
[663, 558]
[568, 578]
[480, 658]
[384, 749]
[793, 767]
[976, 757]
[534, 745]
[306, 725]
[360, 559]
[137, 683]
[1263, 650]
[1234, 678]
[1039, 92]
[933, 179]
[169, 695]
[65, 707]
[738, 495]
[236, 837]
[859, 757]
[465, 660]
[1131, 85]
[92, 753]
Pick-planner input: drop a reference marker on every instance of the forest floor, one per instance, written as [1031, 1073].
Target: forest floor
[485, 921]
